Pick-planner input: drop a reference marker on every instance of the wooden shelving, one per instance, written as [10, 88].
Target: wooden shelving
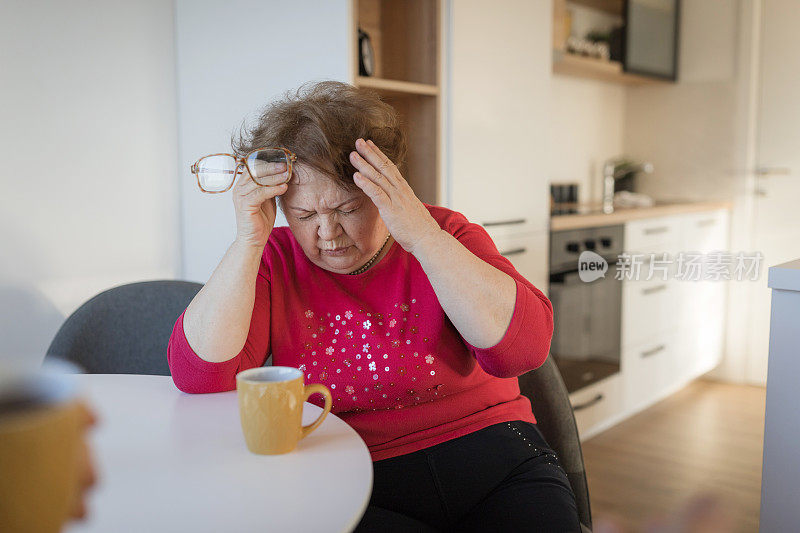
[597, 69]
[397, 87]
[612, 7]
[406, 47]
[567, 64]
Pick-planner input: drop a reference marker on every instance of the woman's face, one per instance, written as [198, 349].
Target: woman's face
[338, 230]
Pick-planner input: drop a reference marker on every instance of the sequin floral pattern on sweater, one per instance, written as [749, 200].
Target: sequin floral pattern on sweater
[398, 370]
[347, 350]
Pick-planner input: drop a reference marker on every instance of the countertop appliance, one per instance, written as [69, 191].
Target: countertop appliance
[613, 171]
[587, 314]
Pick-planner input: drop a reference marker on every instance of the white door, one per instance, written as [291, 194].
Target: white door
[777, 214]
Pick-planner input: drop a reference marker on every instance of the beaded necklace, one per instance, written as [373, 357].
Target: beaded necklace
[366, 265]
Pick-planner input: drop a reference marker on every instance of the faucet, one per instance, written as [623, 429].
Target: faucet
[614, 169]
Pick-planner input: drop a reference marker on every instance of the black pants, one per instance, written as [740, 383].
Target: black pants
[504, 477]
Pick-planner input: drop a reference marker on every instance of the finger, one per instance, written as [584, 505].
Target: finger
[371, 189]
[266, 168]
[369, 171]
[245, 184]
[244, 176]
[274, 179]
[261, 194]
[378, 159]
[246, 189]
[269, 173]
[269, 207]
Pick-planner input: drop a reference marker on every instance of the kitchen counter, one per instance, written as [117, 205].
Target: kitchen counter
[591, 215]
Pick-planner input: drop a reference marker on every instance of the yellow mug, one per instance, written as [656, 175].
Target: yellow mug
[271, 408]
[41, 433]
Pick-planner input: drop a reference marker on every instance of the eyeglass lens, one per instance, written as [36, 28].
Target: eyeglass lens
[268, 167]
[216, 173]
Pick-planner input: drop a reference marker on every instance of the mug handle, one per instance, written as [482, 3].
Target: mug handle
[309, 390]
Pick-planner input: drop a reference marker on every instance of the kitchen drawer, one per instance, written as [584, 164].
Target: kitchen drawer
[595, 404]
[528, 253]
[705, 232]
[698, 300]
[506, 224]
[653, 235]
[648, 308]
[648, 370]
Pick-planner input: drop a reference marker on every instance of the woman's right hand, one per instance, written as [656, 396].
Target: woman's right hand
[255, 206]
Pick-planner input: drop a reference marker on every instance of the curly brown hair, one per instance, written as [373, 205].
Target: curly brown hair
[320, 123]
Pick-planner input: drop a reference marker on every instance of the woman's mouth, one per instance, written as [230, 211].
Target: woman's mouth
[336, 252]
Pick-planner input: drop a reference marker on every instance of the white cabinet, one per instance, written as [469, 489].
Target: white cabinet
[705, 232]
[653, 235]
[648, 308]
[598, 405]
[647, 369]
[650, 300]
[498, 123]
[672, 330]
[702, 302]
[528, 253]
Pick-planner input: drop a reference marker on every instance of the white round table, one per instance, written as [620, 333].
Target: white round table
[169, 461]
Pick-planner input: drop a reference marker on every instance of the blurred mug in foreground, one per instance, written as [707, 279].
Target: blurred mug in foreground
[271, 408]
[44, 458]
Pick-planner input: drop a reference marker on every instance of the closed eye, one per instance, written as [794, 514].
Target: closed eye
[307, 217]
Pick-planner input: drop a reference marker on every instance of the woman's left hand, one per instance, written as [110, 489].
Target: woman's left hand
[405, 216]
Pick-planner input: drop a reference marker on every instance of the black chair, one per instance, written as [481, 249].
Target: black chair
[124, 330]
[555, 419]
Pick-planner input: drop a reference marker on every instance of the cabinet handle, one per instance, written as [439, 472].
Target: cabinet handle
[506, 222]
[515, 251]
[653, 351]
[707, 222]
[653, 231]
[651, 290]
[588, 403]
[773, 171]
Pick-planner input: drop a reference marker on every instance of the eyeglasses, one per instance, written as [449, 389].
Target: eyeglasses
[216, 173]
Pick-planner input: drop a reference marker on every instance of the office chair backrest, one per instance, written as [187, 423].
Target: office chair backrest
[124, 330]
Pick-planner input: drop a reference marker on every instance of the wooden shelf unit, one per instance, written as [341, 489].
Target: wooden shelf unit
[406, 43]
[612, 7]
[398, 87]
[597, 69]
[568, 64]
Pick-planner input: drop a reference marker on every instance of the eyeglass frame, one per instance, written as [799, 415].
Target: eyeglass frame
[291, 158]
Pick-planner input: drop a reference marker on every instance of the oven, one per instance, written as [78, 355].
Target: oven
[587, 314]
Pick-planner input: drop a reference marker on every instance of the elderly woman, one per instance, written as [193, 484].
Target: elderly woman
[405, 311]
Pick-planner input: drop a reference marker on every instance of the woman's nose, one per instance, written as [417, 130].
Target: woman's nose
[328, 229]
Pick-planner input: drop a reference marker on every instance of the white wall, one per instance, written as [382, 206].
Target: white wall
[586, 117]
[232, 59]
[689, 130]
[87, 144]
[586, 128]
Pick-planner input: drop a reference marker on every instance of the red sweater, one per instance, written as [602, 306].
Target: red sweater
[400, 373]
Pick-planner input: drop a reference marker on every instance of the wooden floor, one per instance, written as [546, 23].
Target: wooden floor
[705, 439]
